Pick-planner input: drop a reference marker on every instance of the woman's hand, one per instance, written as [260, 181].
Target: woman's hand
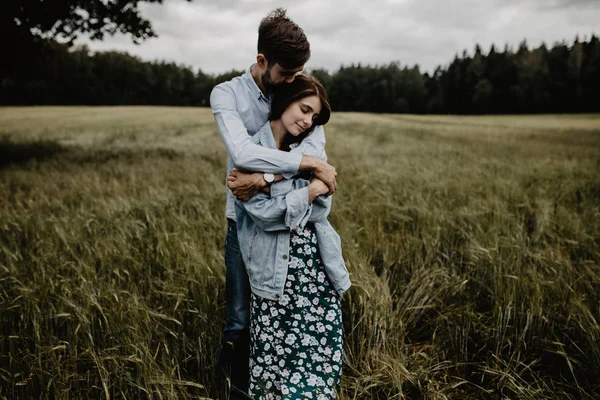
[324, 171]
[316, 187]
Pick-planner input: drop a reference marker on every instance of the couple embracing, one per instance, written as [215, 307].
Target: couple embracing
[284, 267]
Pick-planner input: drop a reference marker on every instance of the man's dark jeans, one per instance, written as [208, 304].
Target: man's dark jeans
[236, 335]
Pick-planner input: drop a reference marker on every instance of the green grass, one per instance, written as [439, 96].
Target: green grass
[473, 245]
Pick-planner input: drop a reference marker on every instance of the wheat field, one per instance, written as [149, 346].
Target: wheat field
[473, 245]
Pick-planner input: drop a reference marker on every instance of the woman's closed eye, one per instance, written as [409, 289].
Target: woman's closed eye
[307, 110]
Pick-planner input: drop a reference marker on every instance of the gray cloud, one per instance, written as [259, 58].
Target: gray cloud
[218, 36]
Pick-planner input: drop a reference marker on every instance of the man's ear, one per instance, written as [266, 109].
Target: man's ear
[261, 61]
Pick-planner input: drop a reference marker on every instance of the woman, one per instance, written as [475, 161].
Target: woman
[294, 262]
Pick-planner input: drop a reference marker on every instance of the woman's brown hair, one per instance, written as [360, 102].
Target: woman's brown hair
[287, 93]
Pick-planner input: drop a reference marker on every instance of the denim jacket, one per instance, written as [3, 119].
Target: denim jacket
[264, 224]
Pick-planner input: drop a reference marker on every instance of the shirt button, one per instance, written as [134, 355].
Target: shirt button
[285, 256]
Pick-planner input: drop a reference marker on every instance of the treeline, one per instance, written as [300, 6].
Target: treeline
[562, 79]
[53, 74]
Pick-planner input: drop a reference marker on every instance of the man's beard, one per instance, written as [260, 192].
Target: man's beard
[266, 80]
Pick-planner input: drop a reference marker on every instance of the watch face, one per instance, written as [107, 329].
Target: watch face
[269, 177]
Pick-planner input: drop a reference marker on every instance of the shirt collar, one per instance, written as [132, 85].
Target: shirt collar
[252, 85]
[265, 135]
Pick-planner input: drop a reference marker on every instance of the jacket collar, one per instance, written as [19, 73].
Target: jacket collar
[265, 136]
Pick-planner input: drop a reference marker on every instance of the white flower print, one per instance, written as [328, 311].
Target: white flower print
[330, 316]
[307, 249]
[295, 378]
[257, 370]
[303, 325]
[290, 339]
[337, 356]
[306, 340]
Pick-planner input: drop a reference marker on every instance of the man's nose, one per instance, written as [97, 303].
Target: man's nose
[290, 79]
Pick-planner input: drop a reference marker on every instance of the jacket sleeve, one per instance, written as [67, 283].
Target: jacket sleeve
[243, 152]
[317, 211]
[286, 212]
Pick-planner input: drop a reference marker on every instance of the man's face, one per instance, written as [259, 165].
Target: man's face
[276, 75]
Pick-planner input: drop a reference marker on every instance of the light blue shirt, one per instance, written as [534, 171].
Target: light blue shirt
[241, 109]
[264, 224]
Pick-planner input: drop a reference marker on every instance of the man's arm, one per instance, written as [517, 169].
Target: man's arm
[243, 152]
[244, 184]
[253, 157]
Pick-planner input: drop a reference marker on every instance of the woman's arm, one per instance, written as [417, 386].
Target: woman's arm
[321, 206]
[286, 212]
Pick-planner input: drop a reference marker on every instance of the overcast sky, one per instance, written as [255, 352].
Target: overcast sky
[220, 35]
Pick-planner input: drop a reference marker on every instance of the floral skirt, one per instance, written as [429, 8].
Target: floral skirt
[296, 342]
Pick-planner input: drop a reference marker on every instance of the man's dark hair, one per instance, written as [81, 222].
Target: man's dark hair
[281, 41]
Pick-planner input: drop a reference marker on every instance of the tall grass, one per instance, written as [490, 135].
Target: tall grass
[473, 244]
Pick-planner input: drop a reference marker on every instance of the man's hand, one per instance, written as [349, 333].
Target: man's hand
[322, 170]
[245, 185]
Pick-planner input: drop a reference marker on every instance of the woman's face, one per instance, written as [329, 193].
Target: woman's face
[300, 115]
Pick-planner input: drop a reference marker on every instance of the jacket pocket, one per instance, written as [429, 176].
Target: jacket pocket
[261, 268]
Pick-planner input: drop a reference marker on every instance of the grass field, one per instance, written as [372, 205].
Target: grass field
[473, 245]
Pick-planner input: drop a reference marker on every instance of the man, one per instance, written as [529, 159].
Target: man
[241, 106]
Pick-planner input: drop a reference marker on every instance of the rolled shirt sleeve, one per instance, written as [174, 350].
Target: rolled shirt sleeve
[243, 152]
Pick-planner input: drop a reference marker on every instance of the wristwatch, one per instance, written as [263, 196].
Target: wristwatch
[269, 178]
